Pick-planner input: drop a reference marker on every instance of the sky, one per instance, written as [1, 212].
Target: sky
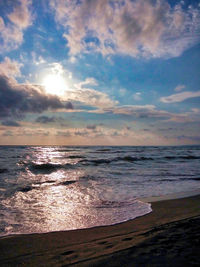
[99, 72]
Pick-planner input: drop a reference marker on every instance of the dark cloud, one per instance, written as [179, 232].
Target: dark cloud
[18, 99]
[128, 128]
[45, 119]
[7, 133]
[11, 123]
[91, 127]
[81, 133]
[193, 138]
[115, 133]
[166, 129]
[65, 134]
[142, 112]
[29, 132]
[68, 105]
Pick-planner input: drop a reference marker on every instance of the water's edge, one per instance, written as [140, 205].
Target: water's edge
[170, 196]
[146, 200]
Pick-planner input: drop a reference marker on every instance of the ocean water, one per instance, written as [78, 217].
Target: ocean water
[55, 188]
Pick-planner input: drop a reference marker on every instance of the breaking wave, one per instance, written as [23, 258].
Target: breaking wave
[3, 170]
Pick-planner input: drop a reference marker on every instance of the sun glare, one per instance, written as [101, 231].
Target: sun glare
[54, 84]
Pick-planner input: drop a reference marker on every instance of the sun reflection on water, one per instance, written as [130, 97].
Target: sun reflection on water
[61, 198]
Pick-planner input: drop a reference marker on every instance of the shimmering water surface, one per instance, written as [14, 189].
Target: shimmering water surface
[61, 188]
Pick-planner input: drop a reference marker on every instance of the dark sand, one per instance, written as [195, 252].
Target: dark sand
[168, 236]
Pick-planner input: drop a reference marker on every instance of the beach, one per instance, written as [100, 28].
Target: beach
[168, 236]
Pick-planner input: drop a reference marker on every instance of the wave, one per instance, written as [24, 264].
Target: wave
[107, 161]
[130, 158]
[103, 150]
[67, 182]
[191, 178]
[25, 189]
[44, 167]
[182, 157]
[95, 161]
[69, 149]
[76, 157]
[3, 170]
[113, 204]
[180, 178]
[28, 188]
[90, 177]
[48, 167]
[196, 179]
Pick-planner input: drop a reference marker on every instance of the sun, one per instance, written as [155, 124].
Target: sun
[54, 84]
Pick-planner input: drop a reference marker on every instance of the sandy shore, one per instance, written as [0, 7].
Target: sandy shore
[168, 236]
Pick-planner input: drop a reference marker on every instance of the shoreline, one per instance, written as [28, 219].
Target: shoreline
[84, 247]
[148, 200]
[171, 196]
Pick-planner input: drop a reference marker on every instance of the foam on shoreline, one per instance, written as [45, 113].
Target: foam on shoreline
[87, 246]
[171, 196]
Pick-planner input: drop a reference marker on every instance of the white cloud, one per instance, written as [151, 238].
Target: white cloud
[10, 68]
[149, 112]
[137, 96]
[88, 82]
[139, 111]
[95, 133]
[122, 91]
[179, 97]
[147, 28]
[11, 31]
[21, 16]
[37, 60]
[179, 87]
[196, 110]
[88, 96]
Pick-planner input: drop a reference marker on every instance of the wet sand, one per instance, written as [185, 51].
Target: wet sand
[168, 236]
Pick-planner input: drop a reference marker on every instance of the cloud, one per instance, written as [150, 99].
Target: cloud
[185, 137]
[100, 132]
[88, 96]
[145, 111]
[81, 133]
[31, 132]
[11, 28]
[91, 97]
[10, 123]
[150, 112]
[88, 82]
[63, 134]
[91, 127]
[179, 97]
[179, 87]
[21, 16]
[68, 105]
[166, 129]
[138, 28]
[19, 99]
[10, 68]
[137, 96]
[37, 60]
[122, 91]
[45, 119]
[7, 133]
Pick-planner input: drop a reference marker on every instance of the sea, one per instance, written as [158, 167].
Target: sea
[54, 188]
